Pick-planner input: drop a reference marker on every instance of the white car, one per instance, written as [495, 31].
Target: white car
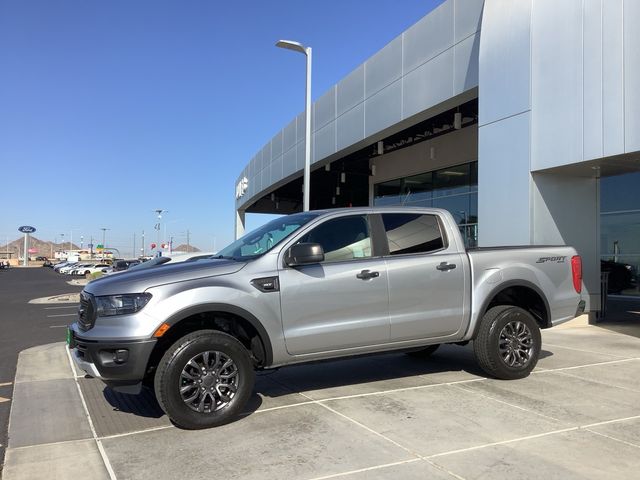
[80, 268]
[93, 268]
[68, 268]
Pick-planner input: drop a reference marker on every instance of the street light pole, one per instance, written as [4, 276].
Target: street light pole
[298, 47]
[104, 231]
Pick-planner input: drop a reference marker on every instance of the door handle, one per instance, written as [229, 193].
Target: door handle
[367, 274]
[444, 266]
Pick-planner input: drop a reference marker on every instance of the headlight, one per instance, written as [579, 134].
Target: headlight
[121, 304]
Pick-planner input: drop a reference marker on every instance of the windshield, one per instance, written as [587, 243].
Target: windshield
[260, 241]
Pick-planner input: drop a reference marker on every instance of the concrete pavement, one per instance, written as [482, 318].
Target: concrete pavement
[388, 416]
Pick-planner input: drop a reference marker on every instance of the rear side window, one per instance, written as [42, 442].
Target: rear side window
[342, 239]
[412, 233]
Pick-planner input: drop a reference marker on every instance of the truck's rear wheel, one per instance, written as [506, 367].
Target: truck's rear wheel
[508, 342]
[204, 379]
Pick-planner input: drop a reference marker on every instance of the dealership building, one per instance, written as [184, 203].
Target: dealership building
[520, 117]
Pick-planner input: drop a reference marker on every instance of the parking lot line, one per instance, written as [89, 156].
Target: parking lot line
[63, 315]
[368, 469]
[399, 445]
[583, 350]
[56, 308]
[506, 403]
[58, 326]
[611, 385]
[6, 384]
[126, 434]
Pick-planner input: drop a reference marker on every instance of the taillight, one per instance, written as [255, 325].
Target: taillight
[576, 271]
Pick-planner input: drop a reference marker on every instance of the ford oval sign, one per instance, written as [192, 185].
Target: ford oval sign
[27, 229]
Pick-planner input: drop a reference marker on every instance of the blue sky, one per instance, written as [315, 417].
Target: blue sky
[111, 109]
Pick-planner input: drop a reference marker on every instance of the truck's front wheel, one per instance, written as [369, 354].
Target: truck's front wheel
[204, 379]
[508, 342]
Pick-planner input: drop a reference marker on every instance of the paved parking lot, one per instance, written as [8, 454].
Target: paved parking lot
[389, 416]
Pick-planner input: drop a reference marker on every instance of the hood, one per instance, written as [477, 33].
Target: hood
[138, 281]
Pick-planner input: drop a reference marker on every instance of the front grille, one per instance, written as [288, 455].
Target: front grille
[86, 312]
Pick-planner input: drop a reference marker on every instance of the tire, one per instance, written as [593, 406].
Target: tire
[196, 407]
[424, 352]
[518, 333]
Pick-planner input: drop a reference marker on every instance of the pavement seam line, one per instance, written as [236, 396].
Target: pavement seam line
[62, 442]
[103, 454]
[367, 469]
[482, 394]
[586, 351]
[612, 438]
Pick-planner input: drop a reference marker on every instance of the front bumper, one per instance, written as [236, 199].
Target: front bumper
[121, 365]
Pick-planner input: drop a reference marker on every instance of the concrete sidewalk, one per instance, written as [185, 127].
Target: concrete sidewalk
[389, 416]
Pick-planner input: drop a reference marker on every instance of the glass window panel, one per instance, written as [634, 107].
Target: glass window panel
[412, 233]
[620, 193]
[451, 180]
[457, 205]
[342, 239]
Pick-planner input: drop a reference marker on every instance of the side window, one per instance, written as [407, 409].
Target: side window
[342, 239]
[412, 233]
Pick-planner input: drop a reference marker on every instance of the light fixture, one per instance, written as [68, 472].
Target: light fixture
[333, 200]
[343, 177]
[457, 120]
[432, 153]
[327, 167]
[273, 197]
[373, 170]
[338, 190]
[380, 147]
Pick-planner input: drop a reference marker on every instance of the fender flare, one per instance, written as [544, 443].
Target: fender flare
[504, 286]
[232, 309]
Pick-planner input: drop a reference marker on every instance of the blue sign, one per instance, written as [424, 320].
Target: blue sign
[27, 229]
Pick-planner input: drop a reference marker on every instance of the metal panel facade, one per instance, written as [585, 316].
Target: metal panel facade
[433, 60]
[631, 75]
[556, 83]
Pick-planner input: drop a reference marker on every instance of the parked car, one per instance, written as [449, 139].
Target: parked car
[68, 268]
[621, 276]
[92, 268]
[60, 265]
[172, 259]
[120, 266]
[315, 286]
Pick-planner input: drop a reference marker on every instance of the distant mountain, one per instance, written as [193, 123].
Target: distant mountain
[186, 248]
[43, 248]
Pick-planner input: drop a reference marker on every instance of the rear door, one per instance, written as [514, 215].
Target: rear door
[339, 303]
[426, 277]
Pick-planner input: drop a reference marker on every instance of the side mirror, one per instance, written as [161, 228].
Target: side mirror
[304, 254]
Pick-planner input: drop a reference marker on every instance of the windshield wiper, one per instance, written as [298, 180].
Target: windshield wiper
[223, 257]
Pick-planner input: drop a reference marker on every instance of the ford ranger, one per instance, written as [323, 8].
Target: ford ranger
[315, 286]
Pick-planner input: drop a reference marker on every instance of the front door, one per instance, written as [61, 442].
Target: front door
[342, 302]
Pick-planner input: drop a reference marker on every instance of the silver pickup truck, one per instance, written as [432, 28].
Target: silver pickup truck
[313, 286]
